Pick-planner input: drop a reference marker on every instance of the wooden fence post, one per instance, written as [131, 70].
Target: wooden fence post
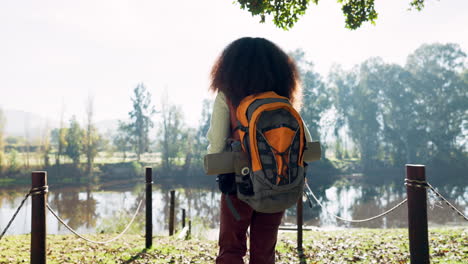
[299, 222]
[189, 234]
[417, 213]
[149, 207]
[38, 217]
[183, 218]
[171, 213]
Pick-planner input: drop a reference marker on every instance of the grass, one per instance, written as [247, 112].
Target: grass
[339, 246]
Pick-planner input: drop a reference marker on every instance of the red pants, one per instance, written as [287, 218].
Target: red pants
[232, 234]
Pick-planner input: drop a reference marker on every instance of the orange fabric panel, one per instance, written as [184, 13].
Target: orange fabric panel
[256, 164]
[280, 139]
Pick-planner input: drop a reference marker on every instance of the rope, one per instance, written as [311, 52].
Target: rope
[425, 184]
[93, 241]
[416, 183]
[352, 220]
[14, 215]
[39, 190]
[447, 202]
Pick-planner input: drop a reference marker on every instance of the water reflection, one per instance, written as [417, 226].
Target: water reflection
[86, 207]
[78, 207]
[361, 201]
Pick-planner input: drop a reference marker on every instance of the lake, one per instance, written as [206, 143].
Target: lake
[90, 209]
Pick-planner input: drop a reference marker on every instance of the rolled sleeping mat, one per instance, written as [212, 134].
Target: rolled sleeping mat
[219, 163]
[313, 151]
[227, 162]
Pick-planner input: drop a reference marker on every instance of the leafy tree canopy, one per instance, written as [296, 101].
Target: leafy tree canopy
[287, 12]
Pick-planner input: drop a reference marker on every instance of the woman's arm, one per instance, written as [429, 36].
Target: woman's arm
[219, 125]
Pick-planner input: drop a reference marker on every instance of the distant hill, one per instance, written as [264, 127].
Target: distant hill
[22, 124]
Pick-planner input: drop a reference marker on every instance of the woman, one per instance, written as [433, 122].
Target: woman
[247, 66]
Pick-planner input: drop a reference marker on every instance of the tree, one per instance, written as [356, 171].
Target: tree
[355, 98]
[172, 134]
[200, 141]
[74, 140]
[316, 97]
[58, 138]
[92, 138]
[400, 119]
[411, 114]
[45, 146]
[121, 139]
[286, 13]
[59, 141]
[441, 95]
[140, 120]
[2, 143]
[464, 137]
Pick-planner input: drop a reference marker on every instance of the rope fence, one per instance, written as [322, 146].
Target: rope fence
[411, 183]
[416, 199]
[447, 202]
[352, 220]
[15, 214]
[94, 241]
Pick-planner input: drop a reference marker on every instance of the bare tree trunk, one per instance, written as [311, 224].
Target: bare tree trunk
[60, 136]
[89, 136]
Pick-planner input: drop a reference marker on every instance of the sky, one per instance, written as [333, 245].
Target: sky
[54, 54]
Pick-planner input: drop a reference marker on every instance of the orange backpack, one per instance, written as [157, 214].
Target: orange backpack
[272, 136]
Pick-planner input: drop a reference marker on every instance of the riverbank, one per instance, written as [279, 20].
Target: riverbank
[447, 245]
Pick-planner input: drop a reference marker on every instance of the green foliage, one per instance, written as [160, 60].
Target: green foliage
[441, 96]
[46, 150]
[417, 4]
[200, 141]
[173, 135]
[316, 97]
[402, 115]
[121, 139]
[74, 139]
[2, 162]
[92, 141]
[137, 169]
[286, 13]
[140, 120]
[59, 142]
[357, 12]
[13, 161]
[355, 100]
